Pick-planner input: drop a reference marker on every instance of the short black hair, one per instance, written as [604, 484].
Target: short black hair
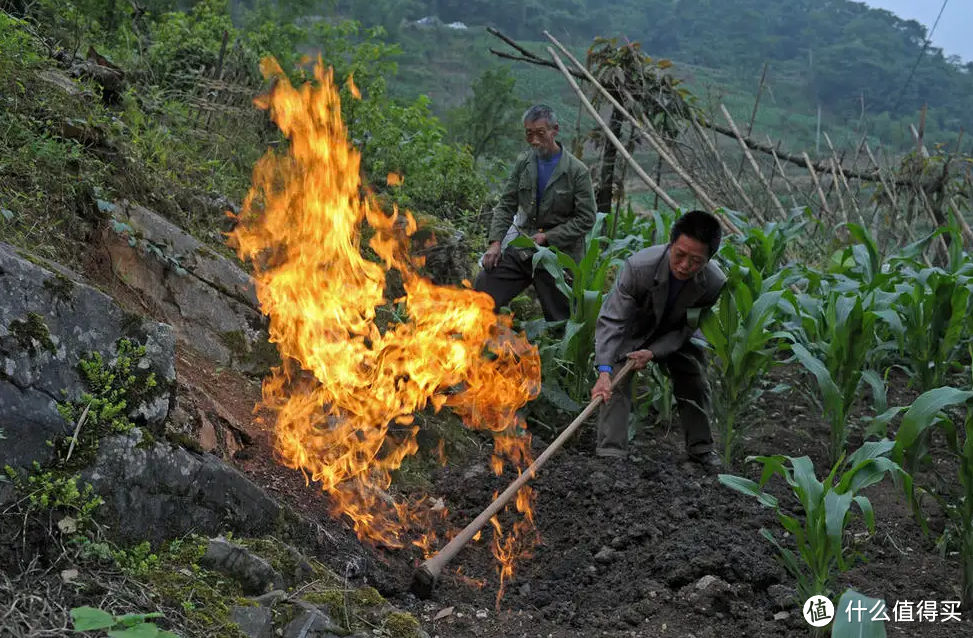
[701, 226]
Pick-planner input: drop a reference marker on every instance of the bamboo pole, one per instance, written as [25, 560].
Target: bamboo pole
[753, 116]
[726, 169]
[837, 190]
[817, 185]
[840, 173]
[651, 183]
[780, 169]
[753, 162]
[647, 131]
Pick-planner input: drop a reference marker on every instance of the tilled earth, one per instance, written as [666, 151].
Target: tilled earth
[647, 546]
[654, 547]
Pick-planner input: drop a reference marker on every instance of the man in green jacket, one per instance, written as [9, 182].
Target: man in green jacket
[549, 198]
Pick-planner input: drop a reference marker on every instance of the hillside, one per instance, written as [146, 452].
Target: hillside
[851, 60]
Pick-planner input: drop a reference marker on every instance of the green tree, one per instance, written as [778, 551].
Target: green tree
[488, 122]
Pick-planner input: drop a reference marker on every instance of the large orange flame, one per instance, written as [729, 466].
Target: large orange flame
[347, 391]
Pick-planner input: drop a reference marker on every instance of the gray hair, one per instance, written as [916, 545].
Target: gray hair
[540, 112]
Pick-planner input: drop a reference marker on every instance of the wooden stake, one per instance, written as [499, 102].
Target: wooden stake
[753, 162]
[780, 169]
[664, 196]
[841, 174]
[817, 185]
[753, 115]
[726, 169]
[647, 132]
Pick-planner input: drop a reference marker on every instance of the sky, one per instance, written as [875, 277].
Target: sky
[953, 33]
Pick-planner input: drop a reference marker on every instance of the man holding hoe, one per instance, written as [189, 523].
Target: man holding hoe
[650, 315]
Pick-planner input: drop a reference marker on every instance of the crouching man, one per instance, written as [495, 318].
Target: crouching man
[650, 315]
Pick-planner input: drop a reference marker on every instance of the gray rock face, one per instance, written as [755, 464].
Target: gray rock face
[254, 574]
[313, 622]
[209, 300]
[254, 622]
[156, 492]
[49, 322]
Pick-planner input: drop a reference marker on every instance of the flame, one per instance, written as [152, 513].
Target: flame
[393, 179]
[472, 582]
[345, 395]
[352, 88]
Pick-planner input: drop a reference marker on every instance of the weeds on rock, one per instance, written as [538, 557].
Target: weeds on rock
[104, 409]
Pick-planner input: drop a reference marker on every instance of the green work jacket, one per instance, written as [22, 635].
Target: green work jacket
[565, 211]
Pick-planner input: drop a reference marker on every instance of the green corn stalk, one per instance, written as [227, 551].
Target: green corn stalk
[820, 551]
[935, 308]
[740, 334]
[585, 288]
[658, 399]
[859, 266]
[912, 446]
[767, 245]
[846, 330]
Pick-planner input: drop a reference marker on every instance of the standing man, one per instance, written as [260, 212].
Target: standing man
[650, 315]
[549, 198]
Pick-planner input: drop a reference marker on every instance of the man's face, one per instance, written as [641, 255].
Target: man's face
[541, 137]
[687, 256]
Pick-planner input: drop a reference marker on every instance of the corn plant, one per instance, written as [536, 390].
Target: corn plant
[629, 223]
[912, 447]
[834, 342]
[767, 244]
[935, 308]
[859, 266]
[657, 399]
[740, 333]
[568, 359]
[819, 533]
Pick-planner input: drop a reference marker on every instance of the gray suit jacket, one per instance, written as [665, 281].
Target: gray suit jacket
[631, 315]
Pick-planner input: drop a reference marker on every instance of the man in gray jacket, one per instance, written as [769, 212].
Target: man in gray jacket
[549, 198]
[650, 315]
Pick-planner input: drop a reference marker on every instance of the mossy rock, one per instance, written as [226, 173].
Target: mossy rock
[258, 356]
[59, 286]
[399, 624]
[178, 577]
[30, 331]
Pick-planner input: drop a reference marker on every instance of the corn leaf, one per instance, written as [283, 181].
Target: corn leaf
[850, 622]
[922, 414]
[748, 487]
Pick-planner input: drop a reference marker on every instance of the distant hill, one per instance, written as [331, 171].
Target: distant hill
[851, 59]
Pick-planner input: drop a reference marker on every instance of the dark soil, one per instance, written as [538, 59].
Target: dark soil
[653, 546]
[647, 546]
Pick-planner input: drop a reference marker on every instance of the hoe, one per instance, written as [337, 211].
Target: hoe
[424, 580]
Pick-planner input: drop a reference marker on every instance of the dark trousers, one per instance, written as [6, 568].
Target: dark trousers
[511, 276]
[685, 368]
